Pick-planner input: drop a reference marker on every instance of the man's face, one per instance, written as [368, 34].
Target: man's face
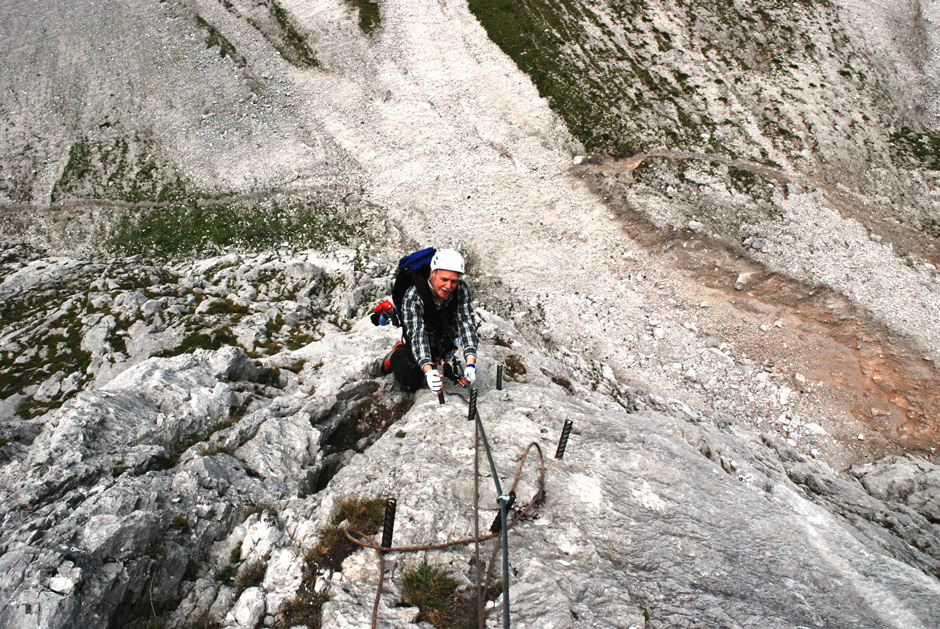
[443, 283]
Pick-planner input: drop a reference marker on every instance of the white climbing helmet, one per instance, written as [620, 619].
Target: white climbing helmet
[448, 260]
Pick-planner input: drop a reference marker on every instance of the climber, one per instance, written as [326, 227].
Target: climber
[436, 312]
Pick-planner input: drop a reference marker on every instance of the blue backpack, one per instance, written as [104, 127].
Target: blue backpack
[417, 263]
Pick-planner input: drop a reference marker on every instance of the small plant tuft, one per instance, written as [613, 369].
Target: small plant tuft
[235, 555]
[226, 307]
[250, 576]
[434, 591]
[291, 44]
[225, 575]
[364, 516]
[155, 551]
[193, 568]
[296, 366]
[261, 508]
[214, 450]
[200, 340]
[180, 523]
[369, 15]
[514, 366]
[304, 610]
[564, 383]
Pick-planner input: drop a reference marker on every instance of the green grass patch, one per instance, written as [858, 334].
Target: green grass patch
[601, 65]
[193, 570]
[299, 339]
[214, 340]
[295, 366]
[122, 167]
[58, 352]
[226, 574]
[250, 576]
[155, 551]
[181, 230]
[537, 36]
[370, 18]
[292, 45]
[180, 523]
[235, 555]
[306, 610]
[215, 38]
[364, 516]
[226, 307]
[273, 326]
[435, 592]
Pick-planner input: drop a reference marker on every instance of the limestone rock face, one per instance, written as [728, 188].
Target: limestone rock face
[647, 515]
[906, 480]
[198, 484]
[95, 497]
[132, 489]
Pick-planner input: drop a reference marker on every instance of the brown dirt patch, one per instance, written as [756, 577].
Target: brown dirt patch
[873, 381]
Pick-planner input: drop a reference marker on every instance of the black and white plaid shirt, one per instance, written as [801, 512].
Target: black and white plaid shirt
[464, 329]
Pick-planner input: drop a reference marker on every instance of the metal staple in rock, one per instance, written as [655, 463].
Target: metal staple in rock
[367, 542]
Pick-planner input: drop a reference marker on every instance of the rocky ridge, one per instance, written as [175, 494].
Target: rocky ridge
[191, 488]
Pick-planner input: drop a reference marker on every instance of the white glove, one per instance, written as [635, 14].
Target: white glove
[435, 383]
[470, 373]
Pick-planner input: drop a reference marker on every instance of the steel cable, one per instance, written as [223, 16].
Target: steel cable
[476, 523]
[367, 542]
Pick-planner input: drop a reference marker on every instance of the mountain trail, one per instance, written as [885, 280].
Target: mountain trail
[486, 166]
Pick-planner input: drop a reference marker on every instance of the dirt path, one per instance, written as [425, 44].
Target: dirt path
[859, 367]
[904, 239]
[871, 373]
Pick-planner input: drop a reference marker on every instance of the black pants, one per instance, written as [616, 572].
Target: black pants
[406, 370]
[409, 376]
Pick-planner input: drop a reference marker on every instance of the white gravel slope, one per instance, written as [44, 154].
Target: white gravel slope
[462, 151]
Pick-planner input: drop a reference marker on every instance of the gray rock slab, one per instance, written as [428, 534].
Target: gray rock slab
[637, 522]
[904, 479]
